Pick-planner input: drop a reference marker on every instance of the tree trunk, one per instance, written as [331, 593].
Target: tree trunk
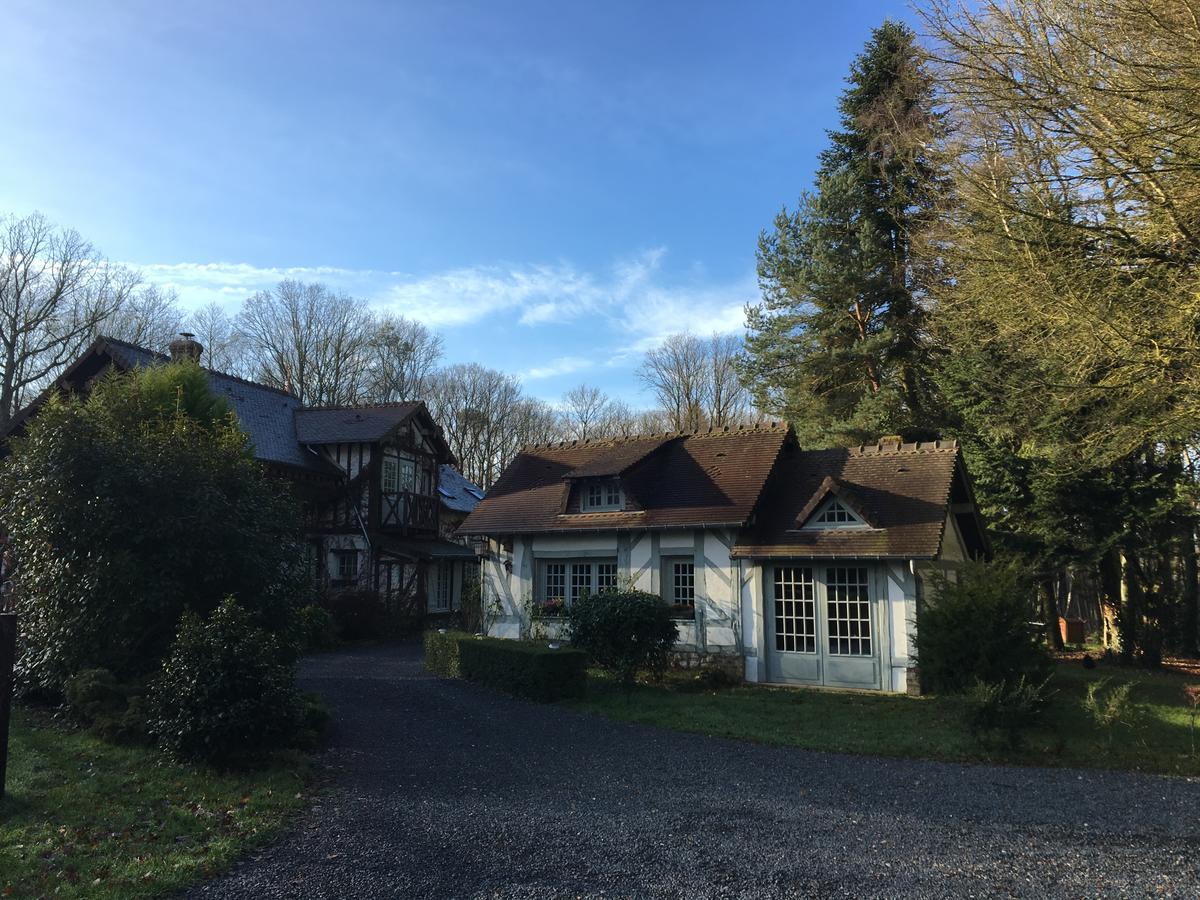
[1050, 613]
[1190, 591]
[1130, 609]
[1110, 598]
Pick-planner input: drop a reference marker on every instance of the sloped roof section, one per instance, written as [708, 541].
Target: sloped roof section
[456, 491]
[902, 490]
[706, 478]
[351, 424]
[618, 459]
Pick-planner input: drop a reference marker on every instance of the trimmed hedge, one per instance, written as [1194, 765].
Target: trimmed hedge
[441, 652]
[525, 668]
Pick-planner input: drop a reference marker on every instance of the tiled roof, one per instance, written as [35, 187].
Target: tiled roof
[617, 458]
[457, 492]
[264, 413]
[902, 490]
[351, 424]
[706, 478]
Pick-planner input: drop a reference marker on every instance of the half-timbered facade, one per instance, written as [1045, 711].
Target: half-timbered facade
[380, 494]
[785, 565]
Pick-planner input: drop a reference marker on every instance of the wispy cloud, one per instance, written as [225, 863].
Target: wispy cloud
[633, 300]
[563, 365]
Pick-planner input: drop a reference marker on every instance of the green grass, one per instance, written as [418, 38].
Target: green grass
[83, 818]
[1155, 737]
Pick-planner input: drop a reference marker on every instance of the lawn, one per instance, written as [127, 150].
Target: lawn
[83, 818]
[1155, 736]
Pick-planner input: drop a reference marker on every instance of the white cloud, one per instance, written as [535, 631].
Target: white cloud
[633, 301]
[563, 365]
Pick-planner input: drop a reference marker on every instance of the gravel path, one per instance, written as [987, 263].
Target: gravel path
[445, 790]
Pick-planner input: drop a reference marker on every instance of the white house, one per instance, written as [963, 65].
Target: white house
[790, 566]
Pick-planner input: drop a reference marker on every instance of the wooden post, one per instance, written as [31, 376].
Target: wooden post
[8, 656]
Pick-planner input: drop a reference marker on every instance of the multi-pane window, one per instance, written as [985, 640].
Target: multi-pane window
[391, 475]
[795, 610]
[408, 475]
[581, 580]
[602, 495]
[554, 582]
[440, 599]
[571, 579]
[836, 514]
[682, 573]
[848, 611]
[345, 565]
[606, 576]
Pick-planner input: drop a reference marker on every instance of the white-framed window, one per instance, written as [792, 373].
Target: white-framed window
[408, 475]
[679, 581]
[570, 579]
[391, 475]
[848, 611]
[439, 599]
[601, 495]
[835, 514]
[795, 610]
[345, 565]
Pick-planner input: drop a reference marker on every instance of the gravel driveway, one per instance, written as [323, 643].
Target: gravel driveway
[445, 790]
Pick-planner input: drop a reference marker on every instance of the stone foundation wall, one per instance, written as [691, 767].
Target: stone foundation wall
[694, 659]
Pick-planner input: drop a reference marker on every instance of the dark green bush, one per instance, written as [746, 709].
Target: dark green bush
[359, 614]
[318, 631]
[226, 693]
[978, 630]
[1006, 708]
[624, 632]
[126, 508]
[526, 668]
[441, 652]
[113, 711]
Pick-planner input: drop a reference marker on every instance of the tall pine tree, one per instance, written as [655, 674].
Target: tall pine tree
[837, 344]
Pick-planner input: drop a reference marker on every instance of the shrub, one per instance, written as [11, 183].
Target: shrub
[225, 695]
[158, 507]
[624, 632]
[359, 614]
[313, 721]
[1108, 705]
[977, 629]
[1006, 708]
[113, 711]
[441, 653]
[317, 629]
[526, 668]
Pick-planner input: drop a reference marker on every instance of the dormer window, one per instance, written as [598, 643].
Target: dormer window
[835, 514]
[598, 496]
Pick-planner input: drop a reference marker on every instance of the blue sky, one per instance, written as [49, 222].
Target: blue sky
[553, 186]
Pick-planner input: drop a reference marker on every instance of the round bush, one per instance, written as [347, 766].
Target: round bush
[358, 614]
[226, 693]
[624, 632]
[977, 629]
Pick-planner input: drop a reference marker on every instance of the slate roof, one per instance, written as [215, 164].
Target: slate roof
[265, 413]
[351, 424]
[903, 490]
[456, 492]
[706, 478]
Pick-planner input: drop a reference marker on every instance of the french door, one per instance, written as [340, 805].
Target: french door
[821, 626]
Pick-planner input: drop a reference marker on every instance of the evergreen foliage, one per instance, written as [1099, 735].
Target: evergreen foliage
[130, 506]
[837, 344]
[624, 632]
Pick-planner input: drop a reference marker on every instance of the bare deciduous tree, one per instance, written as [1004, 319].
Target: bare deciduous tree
[149, 318]
[224, 345]
[486, 418]
[55, 290]
[585, 413]
[696, 381]
[309, 340]
[403, 355]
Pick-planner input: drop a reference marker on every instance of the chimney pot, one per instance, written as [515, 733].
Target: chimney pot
[186, 347]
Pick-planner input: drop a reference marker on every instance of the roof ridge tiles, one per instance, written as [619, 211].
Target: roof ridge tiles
[767, 427]
[165, 358]
[350, 406]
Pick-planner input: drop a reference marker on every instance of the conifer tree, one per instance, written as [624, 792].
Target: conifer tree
[836, 345]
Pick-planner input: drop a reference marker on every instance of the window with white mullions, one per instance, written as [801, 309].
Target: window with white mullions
[848, 610]
[606, 577]
[581, 580]
[795, 610]
[554, 582]
[601, 495]
[683, 583]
